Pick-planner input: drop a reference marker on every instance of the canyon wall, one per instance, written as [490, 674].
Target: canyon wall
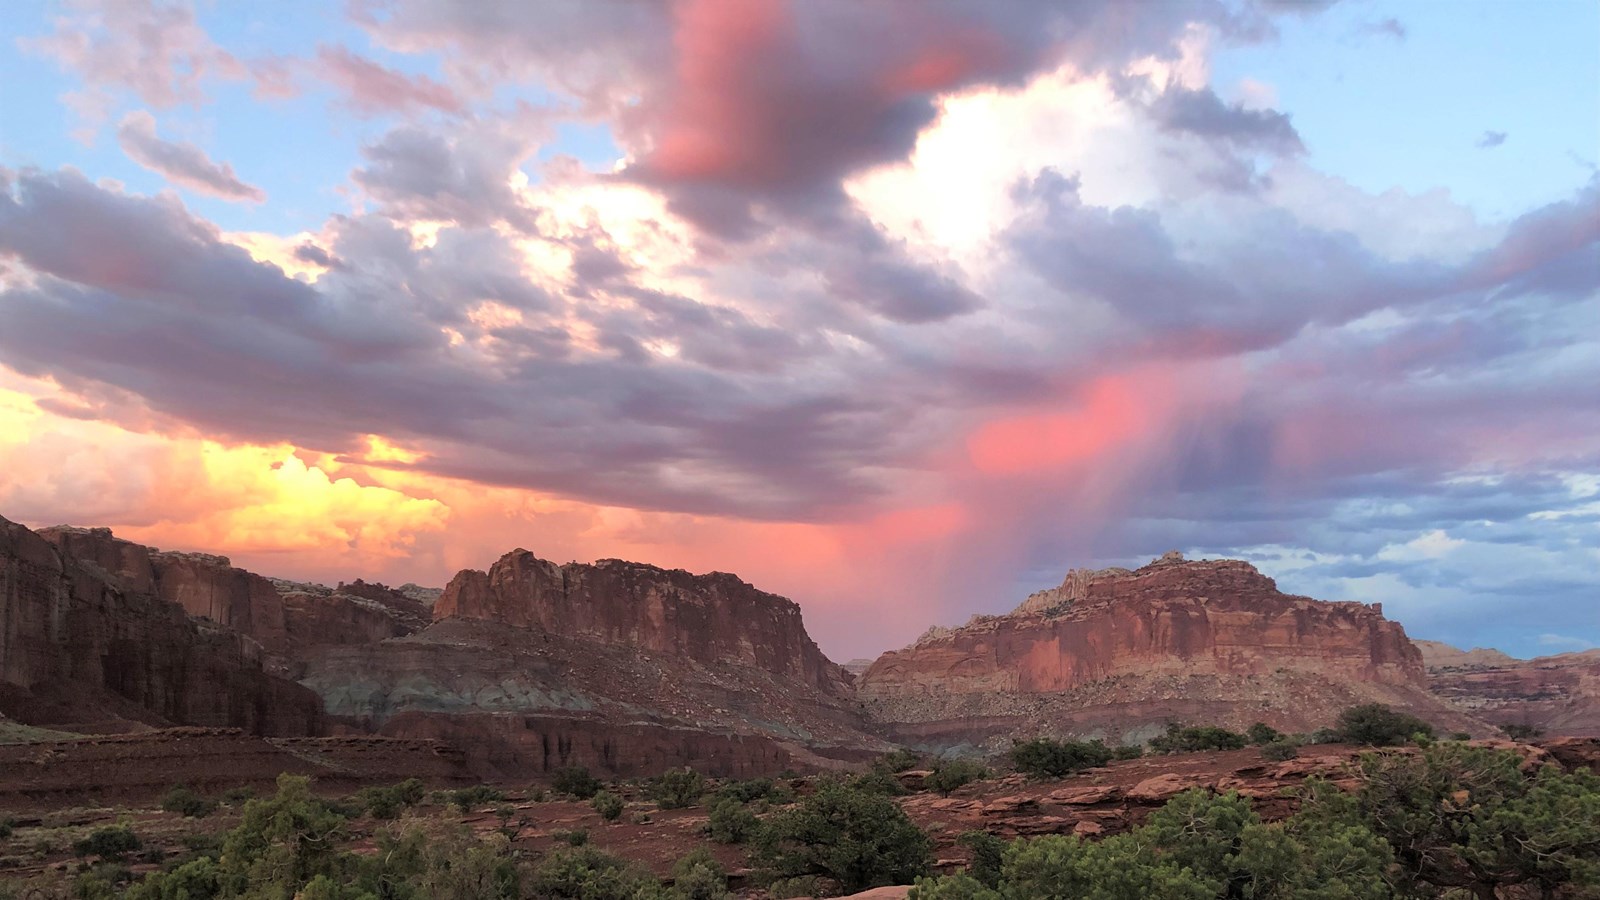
[714, 618]
[1118, 653]
[90, 646]
[1558, 695]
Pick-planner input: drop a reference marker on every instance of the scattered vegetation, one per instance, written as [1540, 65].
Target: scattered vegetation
[678, 788]
[853, 838]
[575, 781]
[475, 797]
[111, 842]
[1280, 750]
[1046, 758]
[698, 876]
[897, 761]
[608, 805]
[187, 803]
[576, 837]
[731, 822]
[950, 774]
[988, 853]
[1519, 732]
[877, 781]
[1179, 739]
[1379, 726]
[389, 802]
[1262, 733]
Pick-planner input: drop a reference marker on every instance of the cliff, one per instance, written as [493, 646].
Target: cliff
[90, 646]
[1558, 695]
[715, 618]
[1117, 653]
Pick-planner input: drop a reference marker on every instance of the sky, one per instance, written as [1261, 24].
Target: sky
[900, 309]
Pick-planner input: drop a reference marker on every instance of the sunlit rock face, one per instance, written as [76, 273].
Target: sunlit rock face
[1118, 653]
[87, 643]
[1558, 695]
[714, 618]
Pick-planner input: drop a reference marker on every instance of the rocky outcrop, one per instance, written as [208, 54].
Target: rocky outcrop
[90, 646]
[356, 613]
[1118, 653]
[1556, 695]
[205, 585]
[715, 618]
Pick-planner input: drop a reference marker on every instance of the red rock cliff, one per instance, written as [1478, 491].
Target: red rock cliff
[704, 618]
[1108, 650]
[1558, 695]
[84, 649]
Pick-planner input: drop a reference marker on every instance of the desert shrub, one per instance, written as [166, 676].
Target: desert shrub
[1280, 750]
[536, 794]
[950, 774]
[576, 837]
[196, 879]
[678, 788]
[104, 881]
[451, 863]
[1325, 736]
[6, 826]
[576, 781]
[878, 781]
[988, 852]
[469, 798]
[1194, 739]
[187, 803]
[1460, 736]
[584, 873]
[747, 791]
[1046, 758]
[608, 805]
[732, 822]
[1127, 751]
[1469, 817]
[1262, 733]
[110, 842]
[960, 886]
[1380, 726]
[281, 843]
[896, 761]
[698, 876]
[854, 838]
[641, 818]
[388, 802]
[236, 796]
[1518, 732]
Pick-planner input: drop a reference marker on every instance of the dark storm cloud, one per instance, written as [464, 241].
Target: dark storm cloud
[1202, 113]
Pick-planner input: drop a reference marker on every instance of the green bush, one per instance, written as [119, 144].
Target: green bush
[960, 886]
[576, 781]
[236, 796]
[896, 761]
[950, 774]
[698, 876]
[475, 797]
[878, 781]
[391, 801]
[1046, 758]
[196, 879]
[187, 803]
[1280, 750]
[1380, 726]
[747, 791]
[576, 837]
[678, 788]
[1519, 732]
[854, 838]
[1127, 751]
[988, 852]
[584, 873]
[732, 822]
[1179, 739]
[110, 842]
[1262, 733]
[608, 805]
[282, 842]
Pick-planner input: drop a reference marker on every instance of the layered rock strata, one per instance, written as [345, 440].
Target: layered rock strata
[91, 646]
[1557, 695]
[1118, 653]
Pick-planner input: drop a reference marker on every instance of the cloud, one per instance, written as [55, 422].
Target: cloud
[1389, 27]
[1565, 643]
[371, 89]
[1491, 139]
[181, 162]
[1202, 113]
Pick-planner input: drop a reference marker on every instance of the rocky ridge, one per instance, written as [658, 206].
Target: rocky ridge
[1117, 654]
[1554, 694]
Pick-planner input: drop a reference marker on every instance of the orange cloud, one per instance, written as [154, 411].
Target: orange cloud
[1110, 413]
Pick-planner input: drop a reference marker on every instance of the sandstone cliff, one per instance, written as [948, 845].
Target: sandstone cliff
[715, 618]
[619, 666]
[91, 646]
[1559, 695]
[1118, 653]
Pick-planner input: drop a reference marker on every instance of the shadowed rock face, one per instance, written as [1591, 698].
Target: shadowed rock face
[1559, 695]
[715, 618]
[87, 648]
[1117, 653]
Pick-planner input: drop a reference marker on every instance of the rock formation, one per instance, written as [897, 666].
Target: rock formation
[622, 667]
[1117, 654]
[715, 618]
[1558, 695]
[91, 646]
